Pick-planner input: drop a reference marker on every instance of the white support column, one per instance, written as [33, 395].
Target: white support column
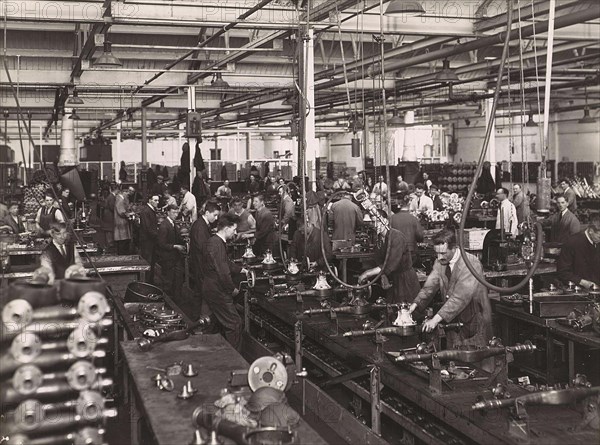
[309, 123]
[192, 107]
[491, 152]
[144, 139]
[68, 148]
[119, 155]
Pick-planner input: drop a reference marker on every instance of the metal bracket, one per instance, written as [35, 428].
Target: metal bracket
[518, 423]
[298, 344]
[375, 387]
[435, 375]
[247, 312]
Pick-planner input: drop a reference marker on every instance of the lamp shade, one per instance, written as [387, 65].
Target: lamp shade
[162, 108]
[586, 119]
[75, 99]
[218, 81]
[447, 74]
[531, 122]
[404, 7]
[107, 60]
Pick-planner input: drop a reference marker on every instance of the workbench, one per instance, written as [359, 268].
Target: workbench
[159, 417]
[512, 271]
[451, 409]
[561, 345]
[343, 257]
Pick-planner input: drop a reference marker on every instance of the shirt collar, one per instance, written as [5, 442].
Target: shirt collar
[171, 221]
[59, 247]
[454, 259]
[151, 207]
[220, 236]
[205, 220]
[589, 239]
[564, 211]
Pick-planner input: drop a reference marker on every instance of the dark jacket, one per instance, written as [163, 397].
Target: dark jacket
[199, 235]
[579, 259]
[571, 198]
[58, 261]
[410, 227]
[168, 237]
[437, 203]
[346, 217]
[108, 213]
[265, 236]
[217, 270]
[16, 227]
[148, 232]
[562, 228]
[465, 300]
[399, 268]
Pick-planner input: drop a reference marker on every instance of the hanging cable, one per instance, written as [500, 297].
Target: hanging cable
[465, 212]
[537, 75]
[524, 170]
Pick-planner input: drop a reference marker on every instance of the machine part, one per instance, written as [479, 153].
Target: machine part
[72, 289]
[267, 372]
[138, 291]
[81, 375]
[220, 426]
[581, 380]
[278, 415]
[190, 371]
[190, 388]
[500, 391]
[89, 436]
[165, 384]
[404, 317]
[171, 370]
[45, 361]
[214, 439]
[25, 348]
[90, 405]
[28, 415]
[145, 344]
[27, 379]
[197, 439]
[92, 306]
[270, 436]
[51, 328]
[269, 263]
[263, 397]
[557, 397]
[17, 312]
[185, 394]
[321, 283]
[251, 278]
[82, 342]
[465, 356]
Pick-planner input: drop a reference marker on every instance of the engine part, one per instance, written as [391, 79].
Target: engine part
[185, 394]
[52, 329]
[74, 288]
[267, 372]
[45, 361]
[190, 388]
[559, 397]
[466, 356]
[190, 371]
[27, 379]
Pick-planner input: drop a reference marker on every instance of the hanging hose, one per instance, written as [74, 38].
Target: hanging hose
[350, 286]
[465, 212]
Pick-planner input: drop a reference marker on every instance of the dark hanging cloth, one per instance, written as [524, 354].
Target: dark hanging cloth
[267, 170]
[165, 173]
[185, 160]
[198, 160]
[485, 183]
[150, 177]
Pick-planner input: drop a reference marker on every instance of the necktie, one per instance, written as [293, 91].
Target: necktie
[63, 250]
[419, 203]
[448, 272]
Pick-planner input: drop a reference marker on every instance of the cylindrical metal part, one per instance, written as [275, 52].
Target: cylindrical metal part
[47, 361]
[543, 192]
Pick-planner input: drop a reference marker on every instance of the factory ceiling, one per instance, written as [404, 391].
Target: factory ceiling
[243, 59]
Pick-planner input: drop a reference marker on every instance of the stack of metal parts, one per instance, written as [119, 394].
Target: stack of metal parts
[53, 343]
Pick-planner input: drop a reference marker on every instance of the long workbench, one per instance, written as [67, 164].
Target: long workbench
[452, 408]
[159, 417]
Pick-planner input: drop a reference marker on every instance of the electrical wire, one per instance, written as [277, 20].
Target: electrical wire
[465, 212]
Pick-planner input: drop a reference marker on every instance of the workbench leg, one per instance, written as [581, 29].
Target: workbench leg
[571, 346]
[134, 414]
[375, 400]
[549, 358]
[298, 344]
[344, 265]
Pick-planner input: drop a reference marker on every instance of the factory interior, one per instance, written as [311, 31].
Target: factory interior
[292, 222]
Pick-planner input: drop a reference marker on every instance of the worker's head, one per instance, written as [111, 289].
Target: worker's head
[66, 192]
[501, 194]
[258, 202]
[227, 226]
[160, 179]
[237, 204]
[281, 181]
[113, 187]
[380, 179]
[184, 189]
[444, 244]
[564, 184]
[58, 232]
[282, 190]
[593, 228]
[433, 190]
[13, 208]
[252, 178]
[211, 211]
[153, 200]
[516, 188]
[561, 203]
[399, 178]
[425, 176]
[130, 191]
[419, 190]
[172, 211]
[226, 183]
[48, 199]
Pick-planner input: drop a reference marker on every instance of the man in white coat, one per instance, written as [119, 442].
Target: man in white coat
[507, 213]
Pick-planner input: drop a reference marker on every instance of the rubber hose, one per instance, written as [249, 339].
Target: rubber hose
[465, 212]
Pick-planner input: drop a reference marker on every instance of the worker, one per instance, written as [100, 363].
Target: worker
[306, 242]
[149, 232]
[171, 249]
[122, 231]
[521, 203]
[569, 194]
[48, 214]
[287, 211]
[563, 224]
[380, 188]
[200, 233]
[426, 182]
[60, 253]
[13, 220]
[507, 213]
[346, 217]
[159, 187]
[247, 224]
[398, 269]
[218, 288]
[341, 183]
[188, 208]
[168, 198]
[67, 203]
[579, 260]
[410, 226]
[265, 227]
[253, 185]
[434, 194]
[224, 191]
[465, 298]
[401, 186]
[421, 202]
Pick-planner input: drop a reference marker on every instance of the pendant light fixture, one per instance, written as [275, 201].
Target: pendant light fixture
[404, 7]
[395, 121]
[75, 99]
[107, 59]
[586, 119]
[218, 81]
[74, 115]
[447, 74]
[530, 121]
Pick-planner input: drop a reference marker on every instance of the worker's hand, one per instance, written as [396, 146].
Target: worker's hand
[179, 248]
[363, 277]
[412, 308]
[431, 324]
[587, 284]
[235, 292]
